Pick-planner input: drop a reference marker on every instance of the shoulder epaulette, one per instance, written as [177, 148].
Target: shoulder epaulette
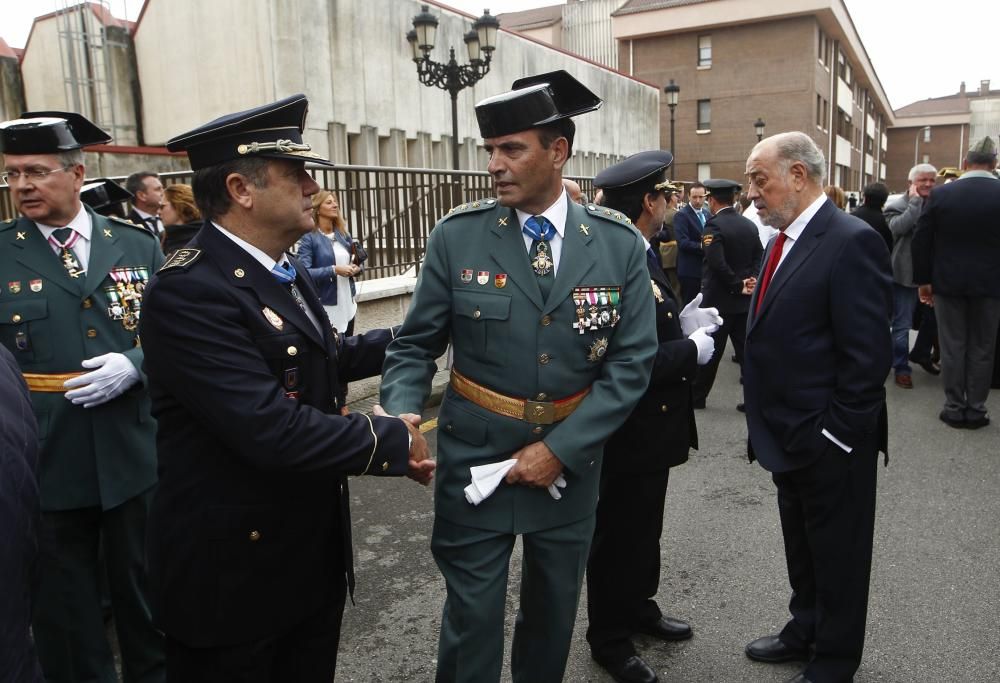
[7, 223]
[470, 207]
[131, 224]
[182, 258]
[606, 213]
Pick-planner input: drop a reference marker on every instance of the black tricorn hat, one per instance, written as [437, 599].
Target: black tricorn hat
[103, 192]
[49, 132]
[644, 166]
[534, 101]
[272, 131]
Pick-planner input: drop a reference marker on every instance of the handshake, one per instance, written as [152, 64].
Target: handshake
[421, 465]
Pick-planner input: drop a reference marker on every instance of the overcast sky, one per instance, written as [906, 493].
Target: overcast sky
[920, 48]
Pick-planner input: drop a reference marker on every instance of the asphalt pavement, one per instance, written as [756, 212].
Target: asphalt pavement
[935, 589]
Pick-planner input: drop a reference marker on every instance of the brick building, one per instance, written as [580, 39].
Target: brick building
[795, 64]
[938, 130]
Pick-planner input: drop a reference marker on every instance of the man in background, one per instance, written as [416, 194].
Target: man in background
[956, 250]
[689, 226]
[147, 199]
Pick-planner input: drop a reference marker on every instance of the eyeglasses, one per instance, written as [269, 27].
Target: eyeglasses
[31, 176]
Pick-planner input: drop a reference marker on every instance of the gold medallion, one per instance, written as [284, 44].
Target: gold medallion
[598, 349]
[542, 263]
[273, 318]
[656, 292]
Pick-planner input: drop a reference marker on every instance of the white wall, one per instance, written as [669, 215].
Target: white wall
[351, 58]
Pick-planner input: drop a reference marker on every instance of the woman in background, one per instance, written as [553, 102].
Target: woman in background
[181, 217]
[836, 196]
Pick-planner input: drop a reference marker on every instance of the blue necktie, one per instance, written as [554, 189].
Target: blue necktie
[540, 230]
[285, 274]
[652, 259]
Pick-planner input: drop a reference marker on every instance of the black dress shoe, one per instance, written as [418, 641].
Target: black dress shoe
[952, 420]
[928, 365]
[772, 649]
[666, 628]
[977, 422]
[631, 670]
[799, 678]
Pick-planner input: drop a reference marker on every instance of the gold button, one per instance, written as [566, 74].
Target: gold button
[16, 318]
[670, 315]
[546, 320]
[91, 333]
[239, 272]
[292, 351]
[254, 535]
[544, 359]
[385, 466]
[663, 408]
[477, 314]
[537, 430]
[88, 302]
[541, 396]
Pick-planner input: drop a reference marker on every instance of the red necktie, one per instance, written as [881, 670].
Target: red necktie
[772, 265]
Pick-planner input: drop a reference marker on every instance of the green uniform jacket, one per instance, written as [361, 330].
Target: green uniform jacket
[477, 290]
[51, 323]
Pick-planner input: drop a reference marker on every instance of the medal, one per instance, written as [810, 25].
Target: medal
[466, 276]
[483, 277]
[14, 287]
[500, 281]
[657, 294]
[35, 285]
[598, 349]
[273, 318]
[542, 264]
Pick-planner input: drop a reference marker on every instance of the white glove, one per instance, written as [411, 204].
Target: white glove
[113, 376]
[705, 343]
[693, 317]
[486, 479]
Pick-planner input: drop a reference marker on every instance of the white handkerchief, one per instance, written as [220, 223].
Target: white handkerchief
[486, 478]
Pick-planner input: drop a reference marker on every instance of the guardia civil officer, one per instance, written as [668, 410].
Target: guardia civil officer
[72, 297]
[623, 573]
[733, 254]
[250, 542]
[105, 196]
[547, 305]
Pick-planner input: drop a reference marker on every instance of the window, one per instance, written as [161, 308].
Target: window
[704, 172]
[844, 127]
[704, 50]
[822, 112]
[843, 67]
[824, 50]
[927, 134]
[704, 114]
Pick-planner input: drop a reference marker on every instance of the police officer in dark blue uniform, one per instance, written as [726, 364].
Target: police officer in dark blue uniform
[249, 538]
[623, 572]
[732, 260]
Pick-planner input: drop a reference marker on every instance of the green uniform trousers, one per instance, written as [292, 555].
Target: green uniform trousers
[67, 624]
[475, 564]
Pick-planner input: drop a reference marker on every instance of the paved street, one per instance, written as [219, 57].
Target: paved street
[935, 585]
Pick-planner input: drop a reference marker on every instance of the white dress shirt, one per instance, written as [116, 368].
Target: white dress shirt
[80, 224]
[556, 214]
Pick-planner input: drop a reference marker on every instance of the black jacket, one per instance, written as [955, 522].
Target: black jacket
[875, 218]
[249, 526]
[661, 428]
[732, 254]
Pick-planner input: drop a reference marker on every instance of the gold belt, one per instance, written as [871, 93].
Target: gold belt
[533, 412]
[49, 383]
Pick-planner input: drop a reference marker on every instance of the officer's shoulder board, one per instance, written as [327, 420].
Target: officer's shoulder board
[7, 223]
[608, 214]
[181, 259]
[126, 222]
[470, 207]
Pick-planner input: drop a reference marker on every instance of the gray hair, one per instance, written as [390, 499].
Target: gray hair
[799, 147]
[920, 168]
[72, 157]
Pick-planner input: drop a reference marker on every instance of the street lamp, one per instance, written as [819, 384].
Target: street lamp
[673, 93]
[452, 76]
[916, 142]
[758, 127]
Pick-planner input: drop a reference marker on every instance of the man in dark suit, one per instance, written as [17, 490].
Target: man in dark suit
[623, 573]
[689, 226]
[817, 354]
[870, 211]
[956, 250]
[249, 534]
[147, 199]
[732, 261]
[18, 523]
[70, 314]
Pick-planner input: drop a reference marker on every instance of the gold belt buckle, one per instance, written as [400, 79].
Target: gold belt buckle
[539, 412]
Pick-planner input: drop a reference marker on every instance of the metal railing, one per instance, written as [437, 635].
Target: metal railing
[390, 210]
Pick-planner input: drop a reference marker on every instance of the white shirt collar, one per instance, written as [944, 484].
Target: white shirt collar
[793, 231]
[555, 213]
[80, 223]
[143, 214]
[978, 174]
[258, 255]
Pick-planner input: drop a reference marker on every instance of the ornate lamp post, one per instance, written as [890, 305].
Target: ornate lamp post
[673, 92]
[758, 127]
[452, 76]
